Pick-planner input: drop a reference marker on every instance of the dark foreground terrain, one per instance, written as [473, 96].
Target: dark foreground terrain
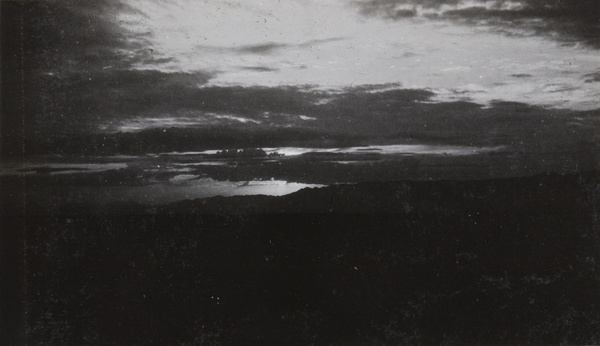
[493, 261]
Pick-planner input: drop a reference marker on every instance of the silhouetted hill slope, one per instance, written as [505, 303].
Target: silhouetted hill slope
[509, 261]
[550, 193]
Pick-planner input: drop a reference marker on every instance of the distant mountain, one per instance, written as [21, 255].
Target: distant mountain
[552, 193]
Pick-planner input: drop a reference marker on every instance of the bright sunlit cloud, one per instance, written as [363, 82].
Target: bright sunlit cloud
[330, 44]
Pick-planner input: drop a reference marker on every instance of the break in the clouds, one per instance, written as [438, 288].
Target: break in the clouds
[337, 44]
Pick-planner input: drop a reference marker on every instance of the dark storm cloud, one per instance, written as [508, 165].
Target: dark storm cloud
[388, 8]
[51, 37]
[320, 41]
[71, 35]
[80, 103]
[570, 20]
[76, 101]
[261, 48]
[404, 13]
[70, 59]
[592, 77]
[118, 95]
[260, 69]
[521, 75]
[268, 48]
[350, 117]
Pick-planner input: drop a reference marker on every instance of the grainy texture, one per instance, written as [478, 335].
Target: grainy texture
[505, 262]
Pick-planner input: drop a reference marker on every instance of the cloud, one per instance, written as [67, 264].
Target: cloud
[261, 48]
[72, 35]
[592, 77]
[266, 48]
[71, 102]
[332, 45]
[56, 39]
[259, 69]
[521, 75]
[88, 69]
[217, 117]
[152, 99]
[565, 20]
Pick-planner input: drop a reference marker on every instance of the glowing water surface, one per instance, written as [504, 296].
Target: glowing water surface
[189, 187]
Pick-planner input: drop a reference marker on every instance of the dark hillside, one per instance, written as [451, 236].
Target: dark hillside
[498, 261]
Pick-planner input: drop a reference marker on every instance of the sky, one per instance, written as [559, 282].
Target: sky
[295, 72]
[461, 50]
